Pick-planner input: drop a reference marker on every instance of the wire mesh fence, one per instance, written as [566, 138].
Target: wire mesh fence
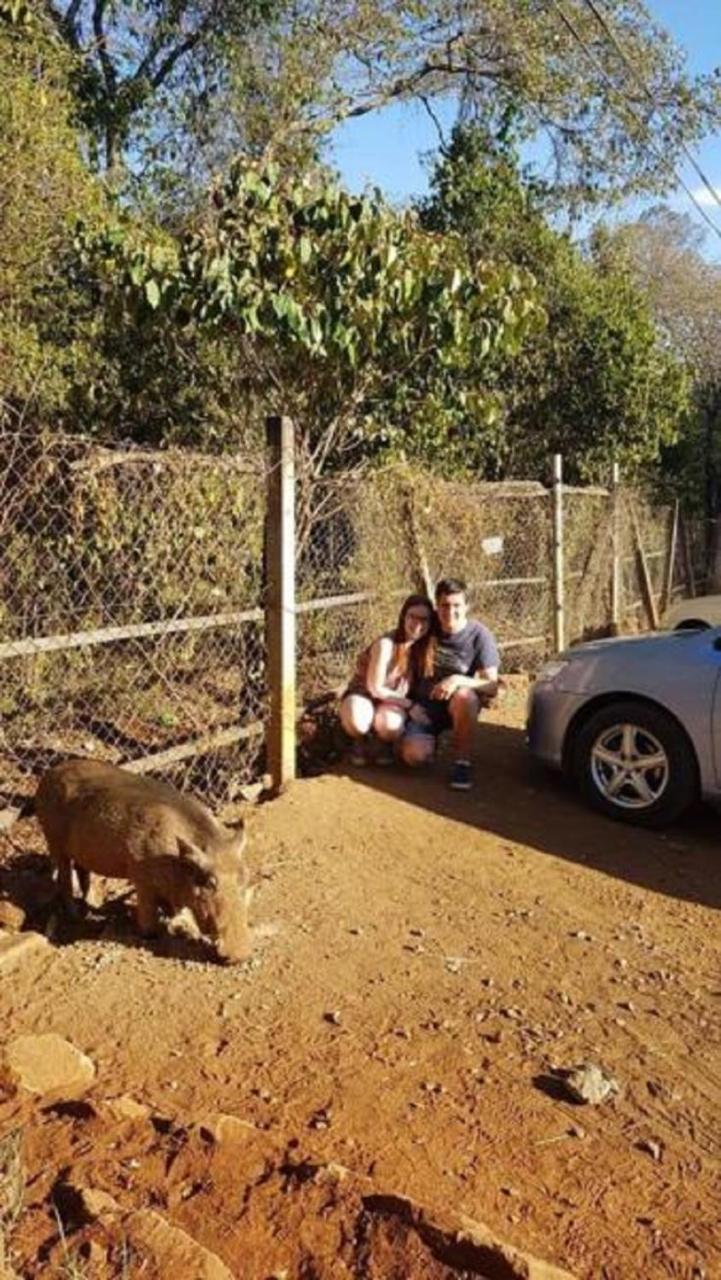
[131, 625]
[133, 592]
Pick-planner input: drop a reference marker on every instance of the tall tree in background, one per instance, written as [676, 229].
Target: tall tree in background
[175, 86]
[663, 253]
[44, 188]
[595, 383]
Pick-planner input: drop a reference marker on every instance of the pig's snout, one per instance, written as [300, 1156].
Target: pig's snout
[232, 936]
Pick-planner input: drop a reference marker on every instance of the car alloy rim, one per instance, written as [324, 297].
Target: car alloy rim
[629, 766]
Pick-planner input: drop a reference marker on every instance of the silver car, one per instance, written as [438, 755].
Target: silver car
[635, 722]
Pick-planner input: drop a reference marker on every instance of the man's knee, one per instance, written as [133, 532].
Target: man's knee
[465, 705]
[417, 750]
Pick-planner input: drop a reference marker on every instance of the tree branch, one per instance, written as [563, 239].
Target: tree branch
[180, 50]
[65, 30]
[70, 22]
[109, 73]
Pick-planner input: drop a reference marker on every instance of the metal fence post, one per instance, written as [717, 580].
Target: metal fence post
[559, 618]
[615, 550]
[280, 600]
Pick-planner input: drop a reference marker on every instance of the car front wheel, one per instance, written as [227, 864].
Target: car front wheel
[634, 763]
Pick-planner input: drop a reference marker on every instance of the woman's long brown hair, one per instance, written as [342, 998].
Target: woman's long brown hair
[415, 662]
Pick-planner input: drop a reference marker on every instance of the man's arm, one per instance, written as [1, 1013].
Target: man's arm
[484, 681]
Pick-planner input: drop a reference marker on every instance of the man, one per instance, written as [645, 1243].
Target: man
[465, 676]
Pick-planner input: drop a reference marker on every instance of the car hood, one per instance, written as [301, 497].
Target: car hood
[636, 647]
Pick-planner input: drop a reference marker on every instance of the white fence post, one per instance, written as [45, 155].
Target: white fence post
[559, 617]
[280, 638]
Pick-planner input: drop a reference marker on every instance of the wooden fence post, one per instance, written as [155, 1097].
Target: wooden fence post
[671, 562]
[644, 577]
[615, 550]
[687, 557]
[280, 600]
[559, 618]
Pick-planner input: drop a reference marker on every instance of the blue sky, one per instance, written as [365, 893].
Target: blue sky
[386, 149]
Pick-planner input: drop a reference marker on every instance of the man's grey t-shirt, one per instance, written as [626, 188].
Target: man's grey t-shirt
[461, 653]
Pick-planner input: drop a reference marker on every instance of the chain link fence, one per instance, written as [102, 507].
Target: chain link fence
[131, 624]
[132, 592]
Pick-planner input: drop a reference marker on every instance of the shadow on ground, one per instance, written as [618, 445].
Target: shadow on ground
[26, 881]
[518, 801]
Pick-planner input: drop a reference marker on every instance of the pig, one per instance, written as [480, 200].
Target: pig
[98, 817]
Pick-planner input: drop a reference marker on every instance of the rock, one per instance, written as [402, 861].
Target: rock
[320, 1119]
[126, 1108]
[589, 1083]
[334, 1172]
[17, 949]
[172, 1253]
[651, 1147]
[334, 1017]
[224, 1129]
[49, 1066]
[95, 1203]
[12, 917]
[482, 1252]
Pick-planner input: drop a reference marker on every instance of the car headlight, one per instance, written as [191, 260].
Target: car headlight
[550, 670]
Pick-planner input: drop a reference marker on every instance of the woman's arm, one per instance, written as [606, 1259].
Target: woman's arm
[381, 657]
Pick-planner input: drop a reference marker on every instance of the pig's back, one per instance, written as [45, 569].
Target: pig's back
[106, 818]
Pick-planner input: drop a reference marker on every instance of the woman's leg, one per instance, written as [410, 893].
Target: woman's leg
[356, 715]
[389, 722]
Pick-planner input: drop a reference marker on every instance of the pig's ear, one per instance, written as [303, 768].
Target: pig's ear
[190, 853]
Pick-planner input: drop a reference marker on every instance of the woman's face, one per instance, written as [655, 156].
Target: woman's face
[416, 622]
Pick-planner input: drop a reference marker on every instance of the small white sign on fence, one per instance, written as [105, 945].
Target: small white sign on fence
[492, 546]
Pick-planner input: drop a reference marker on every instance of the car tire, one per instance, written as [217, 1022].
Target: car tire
[633, 789]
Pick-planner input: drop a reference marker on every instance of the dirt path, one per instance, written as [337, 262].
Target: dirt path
[423, 960]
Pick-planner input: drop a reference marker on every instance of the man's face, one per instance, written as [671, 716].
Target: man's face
[452, 612]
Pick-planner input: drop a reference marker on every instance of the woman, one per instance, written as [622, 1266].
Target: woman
[377, 696]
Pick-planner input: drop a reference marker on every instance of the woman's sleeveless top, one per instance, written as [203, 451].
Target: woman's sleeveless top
[395, 679]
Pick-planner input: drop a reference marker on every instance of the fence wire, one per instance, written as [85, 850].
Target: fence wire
[130, 611]
[132, 592]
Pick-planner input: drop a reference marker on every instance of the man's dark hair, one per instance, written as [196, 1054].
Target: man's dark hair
[450, 587]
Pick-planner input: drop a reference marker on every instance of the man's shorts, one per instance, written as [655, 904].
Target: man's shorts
[439, 717]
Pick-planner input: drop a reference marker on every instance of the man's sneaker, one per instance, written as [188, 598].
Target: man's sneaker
[384, 754]
[461, 776]
[357, 756]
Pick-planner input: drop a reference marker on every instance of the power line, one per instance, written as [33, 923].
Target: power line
[568, 23]
[612, 35]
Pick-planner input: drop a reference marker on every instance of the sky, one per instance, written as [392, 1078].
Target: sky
[387, 149]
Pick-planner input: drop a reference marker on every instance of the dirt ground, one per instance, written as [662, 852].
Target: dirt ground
[423, 961]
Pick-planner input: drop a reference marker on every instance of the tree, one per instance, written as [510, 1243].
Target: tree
[145, 71]
[364, 326]
[44, 188]
[663, 251]
[182, 84]
[550, 61]
[596, 383]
